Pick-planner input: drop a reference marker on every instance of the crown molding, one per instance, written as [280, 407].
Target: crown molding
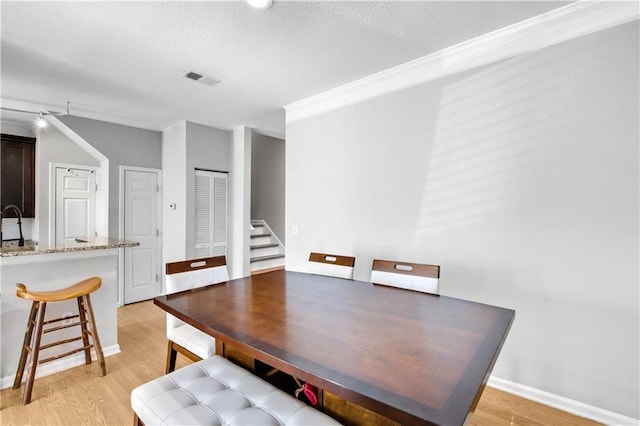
[556, 26]
[30, 107]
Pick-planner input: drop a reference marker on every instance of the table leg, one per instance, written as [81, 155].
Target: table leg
[219, 348]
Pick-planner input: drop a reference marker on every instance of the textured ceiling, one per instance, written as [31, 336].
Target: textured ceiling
[122, 61]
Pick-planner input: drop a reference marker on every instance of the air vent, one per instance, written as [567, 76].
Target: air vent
[200, 78]
[193, 75]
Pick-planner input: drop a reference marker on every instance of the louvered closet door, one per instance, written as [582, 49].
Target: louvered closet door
[211, 213]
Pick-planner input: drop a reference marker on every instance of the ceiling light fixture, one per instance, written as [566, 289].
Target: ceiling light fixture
[260, 4]
[39, 122]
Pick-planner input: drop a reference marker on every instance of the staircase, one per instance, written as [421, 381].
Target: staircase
[267, 252]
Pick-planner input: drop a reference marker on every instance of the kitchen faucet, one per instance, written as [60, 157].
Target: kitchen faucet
[19, 214]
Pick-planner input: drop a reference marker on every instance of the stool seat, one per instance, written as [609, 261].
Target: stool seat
[80, 289]
[37, 326]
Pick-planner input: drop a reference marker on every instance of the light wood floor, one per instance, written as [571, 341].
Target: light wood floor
[79, 397]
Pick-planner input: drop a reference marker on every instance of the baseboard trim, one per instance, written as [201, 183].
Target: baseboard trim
[264, 271]
[61, 365]
[556, 26]
[562, 403]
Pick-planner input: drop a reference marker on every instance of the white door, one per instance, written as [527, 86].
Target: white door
[75, 208]
[211, 213]
[141, 273]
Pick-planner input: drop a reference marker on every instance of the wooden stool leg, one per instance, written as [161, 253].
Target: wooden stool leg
[94, 335]
[171, 358]
[136, 420]
[35, 351]
[25, 345]
[83, 330]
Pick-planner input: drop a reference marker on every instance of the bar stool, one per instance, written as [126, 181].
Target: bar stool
[36, 323]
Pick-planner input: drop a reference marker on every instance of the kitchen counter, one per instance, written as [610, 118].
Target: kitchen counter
[99, 243]
[45, 268]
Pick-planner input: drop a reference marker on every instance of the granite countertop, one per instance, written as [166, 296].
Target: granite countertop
[30, 248]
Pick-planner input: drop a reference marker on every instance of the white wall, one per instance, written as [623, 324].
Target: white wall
[11, 230]
[520, 179]
[174, 157]
[240, 200]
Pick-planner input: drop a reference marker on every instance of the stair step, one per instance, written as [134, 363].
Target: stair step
[262, 246]
[272, 256]
[260, 235]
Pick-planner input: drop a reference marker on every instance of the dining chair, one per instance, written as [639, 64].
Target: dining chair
[322, 264]
[332, 265]
[183, 338]
[411, 276]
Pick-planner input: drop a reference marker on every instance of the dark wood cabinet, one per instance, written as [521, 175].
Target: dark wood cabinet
[17, 174]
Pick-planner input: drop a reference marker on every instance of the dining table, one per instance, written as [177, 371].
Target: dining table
[412, 357]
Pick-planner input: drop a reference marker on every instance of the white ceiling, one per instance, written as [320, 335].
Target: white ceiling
[122, 61]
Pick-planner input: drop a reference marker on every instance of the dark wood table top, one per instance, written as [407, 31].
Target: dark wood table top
[413, 357]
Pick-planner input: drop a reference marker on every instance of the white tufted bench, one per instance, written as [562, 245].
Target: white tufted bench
[215, 391]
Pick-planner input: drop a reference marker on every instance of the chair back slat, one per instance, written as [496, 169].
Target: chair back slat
[193, 273]
[406, 275]
[195, 264]
[332, 259]
[332, 265]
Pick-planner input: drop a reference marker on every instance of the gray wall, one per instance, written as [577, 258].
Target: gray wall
[206, 148]
[53, 147]
[185, 147]
[15, 128]
[267, 182]
[521, 180]
[123, 146]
